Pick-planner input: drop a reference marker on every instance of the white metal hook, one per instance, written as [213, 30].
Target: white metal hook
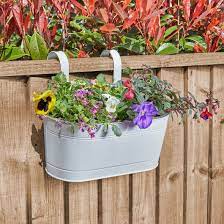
[117, 63]
[63, 59]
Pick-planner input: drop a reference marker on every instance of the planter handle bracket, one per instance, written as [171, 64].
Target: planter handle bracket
[117, 63]
[61, 56]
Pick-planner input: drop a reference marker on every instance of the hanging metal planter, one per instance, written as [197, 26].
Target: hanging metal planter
[72, 156]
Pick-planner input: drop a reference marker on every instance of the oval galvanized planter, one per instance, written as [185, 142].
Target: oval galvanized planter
[71, 155]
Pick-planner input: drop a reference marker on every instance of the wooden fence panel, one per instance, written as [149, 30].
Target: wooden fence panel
[144, 198]
[171, 167]
[83, 203]
[115, 200]
[197, 151]
[187, 188]
[35, 157]
[47, 194]
[217, 152]
[14, 141]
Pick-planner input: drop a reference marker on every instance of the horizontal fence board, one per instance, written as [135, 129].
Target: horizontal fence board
[197, 150]
[44, 67]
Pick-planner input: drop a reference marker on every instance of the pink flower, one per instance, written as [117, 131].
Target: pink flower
[129, 95]
[127, 83]
[94, 110]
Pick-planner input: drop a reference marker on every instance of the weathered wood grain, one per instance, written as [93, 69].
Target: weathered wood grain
[14, 141]
[44, 67]
[172, 161]
[144, 198]
[197, 151]
[83, 203]
[217, 153]
[191, 165]
[115, 200]
[47, 194]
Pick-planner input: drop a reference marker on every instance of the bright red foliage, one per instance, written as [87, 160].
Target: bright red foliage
[114, 19]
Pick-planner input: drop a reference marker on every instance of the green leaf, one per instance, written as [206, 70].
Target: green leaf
[105, 130]
[166, 17]
[167, 48]
[166, 105]
[116, 130]
[101, 79]
[136, 45]
[189, 46]
[197, 39]
[186, 45]
[59, 78]
[37, 47]
[127, 71]
[13, 53]
[170, 30]
[182, 42]
[140, 97]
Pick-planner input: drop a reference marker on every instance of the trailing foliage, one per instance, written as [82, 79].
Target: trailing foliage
[82, 28]
[89, 104]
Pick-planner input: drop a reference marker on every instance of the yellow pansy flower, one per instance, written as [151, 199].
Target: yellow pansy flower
[44, 103]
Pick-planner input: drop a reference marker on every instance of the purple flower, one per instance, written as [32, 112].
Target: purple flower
[58, 123]
[41, 117]
[85, 127]
[82, 93]
[82, 125]
[91, 132]
[145, 112]
[94, 109]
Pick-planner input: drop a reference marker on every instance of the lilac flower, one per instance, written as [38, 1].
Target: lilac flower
[85, 127]
[96, 107]
[94, 110]
[82, 93]
[58, 123]
[41, 117]
[84, 102]
[91, 132]
[145, 112]
[82, 125]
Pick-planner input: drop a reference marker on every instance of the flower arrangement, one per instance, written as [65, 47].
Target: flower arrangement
[29, 29]
[140, 99]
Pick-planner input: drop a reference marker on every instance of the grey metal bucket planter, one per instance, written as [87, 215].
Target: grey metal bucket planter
[71, 155]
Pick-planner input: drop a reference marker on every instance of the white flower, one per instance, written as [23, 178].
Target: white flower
[111, 103]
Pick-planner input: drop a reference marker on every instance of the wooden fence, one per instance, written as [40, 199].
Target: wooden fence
[186, 188]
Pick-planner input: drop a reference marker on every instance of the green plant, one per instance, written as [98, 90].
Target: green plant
[85, 28]
[89, 104]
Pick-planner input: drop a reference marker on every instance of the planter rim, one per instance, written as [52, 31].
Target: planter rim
[117, 122]
[66, 130]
